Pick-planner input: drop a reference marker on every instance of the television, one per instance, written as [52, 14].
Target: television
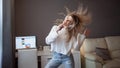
[25, 42]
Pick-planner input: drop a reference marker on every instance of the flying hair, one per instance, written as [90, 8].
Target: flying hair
[81, 12]
[81, 17]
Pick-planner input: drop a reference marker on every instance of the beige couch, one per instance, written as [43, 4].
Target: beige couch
[91, 60]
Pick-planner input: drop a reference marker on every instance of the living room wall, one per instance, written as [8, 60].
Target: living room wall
[35, 17]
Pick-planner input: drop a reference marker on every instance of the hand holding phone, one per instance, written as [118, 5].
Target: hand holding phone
[60, 27]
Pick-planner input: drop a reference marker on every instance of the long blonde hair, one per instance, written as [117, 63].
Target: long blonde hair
[81, 17]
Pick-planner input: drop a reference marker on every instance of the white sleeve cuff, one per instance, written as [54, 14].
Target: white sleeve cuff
[80, 39]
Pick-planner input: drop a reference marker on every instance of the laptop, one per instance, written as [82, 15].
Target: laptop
[25, 42]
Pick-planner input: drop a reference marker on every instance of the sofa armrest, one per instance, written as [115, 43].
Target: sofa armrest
[94, 57]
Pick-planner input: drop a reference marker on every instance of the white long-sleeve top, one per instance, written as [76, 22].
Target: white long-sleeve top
[58, 41]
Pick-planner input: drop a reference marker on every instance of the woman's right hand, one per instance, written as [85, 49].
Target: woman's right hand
[60, 27]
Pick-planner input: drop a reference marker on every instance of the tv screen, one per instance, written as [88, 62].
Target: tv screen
[25, 42]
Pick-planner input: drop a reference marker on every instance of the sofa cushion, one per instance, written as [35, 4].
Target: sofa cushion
[112, 64]
[115, 54]
[90, 44]
[103, 53]
[113, 42]
[94, 57]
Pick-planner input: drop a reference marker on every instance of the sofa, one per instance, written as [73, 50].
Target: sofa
[101, 52]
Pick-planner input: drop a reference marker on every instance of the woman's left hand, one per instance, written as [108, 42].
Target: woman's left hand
[86, 32]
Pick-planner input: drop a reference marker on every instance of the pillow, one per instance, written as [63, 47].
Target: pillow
[103, 53]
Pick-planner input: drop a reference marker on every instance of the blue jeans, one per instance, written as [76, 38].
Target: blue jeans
[59, 59]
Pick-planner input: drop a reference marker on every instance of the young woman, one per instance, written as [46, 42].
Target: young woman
[65, 38]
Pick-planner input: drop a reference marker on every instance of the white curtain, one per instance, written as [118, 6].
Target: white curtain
[1, 33]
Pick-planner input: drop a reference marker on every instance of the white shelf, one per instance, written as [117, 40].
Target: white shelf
[46, 55]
